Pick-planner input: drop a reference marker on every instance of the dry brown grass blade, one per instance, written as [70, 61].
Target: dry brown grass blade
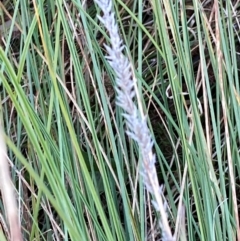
[7, 191]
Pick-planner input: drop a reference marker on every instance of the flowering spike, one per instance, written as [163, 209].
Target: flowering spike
[137, 125]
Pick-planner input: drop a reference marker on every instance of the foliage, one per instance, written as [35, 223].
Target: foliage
[76, 172]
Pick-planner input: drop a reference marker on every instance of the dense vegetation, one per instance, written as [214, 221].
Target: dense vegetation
[77, 174]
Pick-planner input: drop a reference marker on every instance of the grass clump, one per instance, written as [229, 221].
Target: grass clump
[170, 78]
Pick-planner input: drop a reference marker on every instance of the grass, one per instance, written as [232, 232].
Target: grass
[76, 173]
